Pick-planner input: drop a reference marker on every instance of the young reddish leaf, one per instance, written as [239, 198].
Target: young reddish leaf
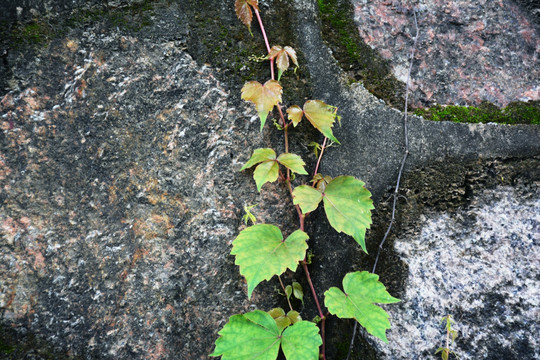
[267, 171]
[243, 10]
[265, 97]
[262, 253]
[292, 162]
[282, 56]
[282, 321]
[321, 116]
[307, 198]
[260, 155]
[348, 206]
[295, 114]
[362, 289]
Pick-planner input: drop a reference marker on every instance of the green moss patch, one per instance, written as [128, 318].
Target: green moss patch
[128, 18]
[514, 113]
[355, 57]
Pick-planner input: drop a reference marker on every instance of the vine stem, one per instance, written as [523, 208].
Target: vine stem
[265, 41]
[320, 156]
[285, 291]
[272, 74]
[321, 314]
[300, 215]
[400, 173]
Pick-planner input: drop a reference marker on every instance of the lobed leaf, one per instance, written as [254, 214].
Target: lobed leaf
[295, 114]
[301, 341]
[292, 162]
[267, 171]
[254, 335]
[362, 289]
[265, 97]
[243, 10]
[259, 155]
[321, 116]
[262, 253]
[307, 198]
[348, 206]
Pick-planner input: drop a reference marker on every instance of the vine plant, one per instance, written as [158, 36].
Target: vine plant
[261, 251]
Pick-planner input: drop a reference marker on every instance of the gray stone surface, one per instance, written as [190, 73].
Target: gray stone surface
[479, 264]
[121, 137]
[468, 51]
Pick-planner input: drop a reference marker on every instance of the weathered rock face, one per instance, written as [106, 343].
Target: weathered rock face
[469, 249]
[480, 265]
[468, 51]
[122, 136]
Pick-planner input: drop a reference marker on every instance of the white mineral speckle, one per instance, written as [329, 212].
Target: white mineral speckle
[479, 265]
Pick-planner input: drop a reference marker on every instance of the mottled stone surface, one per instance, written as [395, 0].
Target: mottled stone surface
[120, 197]
[120, 193]
[468, 51]
[480, 265]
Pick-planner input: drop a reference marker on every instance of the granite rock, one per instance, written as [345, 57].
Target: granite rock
[479, 264]
[468, 51]
[121, 139]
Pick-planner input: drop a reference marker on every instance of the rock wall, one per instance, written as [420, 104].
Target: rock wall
[468, 51]
[122, 133]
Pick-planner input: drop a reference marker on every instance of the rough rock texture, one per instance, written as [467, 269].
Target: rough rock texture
[120, 198]
[122, 133]
[468, 51]
[478, 264]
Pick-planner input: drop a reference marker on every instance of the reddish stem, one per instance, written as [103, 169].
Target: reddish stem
[320, 156]
[323, 317]
[285, 291]
[300, 215]
[265, 41]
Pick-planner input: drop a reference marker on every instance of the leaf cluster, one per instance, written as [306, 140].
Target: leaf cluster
[262, 252]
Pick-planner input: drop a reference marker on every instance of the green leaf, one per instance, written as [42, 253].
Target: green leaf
[243, 11]
[348, 206]
[321, 116]
[307, 198]
[259, 155]
[288, 291]
[262, 253]
[266, 172]
[295, 114]
[301, 341]
[248, 215]
[361, 290]
[293, 162]
[265, 97]
[268, 168]
[298, 291]
[254, 335]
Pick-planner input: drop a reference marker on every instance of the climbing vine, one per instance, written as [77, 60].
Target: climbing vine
[261, 251]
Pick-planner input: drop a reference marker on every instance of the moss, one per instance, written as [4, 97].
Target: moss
[38, 33]
[514, 113]
[15, 345]
[128, 18]
[34, 34]
[356, 58]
